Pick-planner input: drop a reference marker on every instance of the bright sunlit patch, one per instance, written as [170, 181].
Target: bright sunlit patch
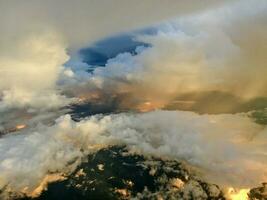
[43, 185]
[237, 194]
[20, 126]
[149, 106]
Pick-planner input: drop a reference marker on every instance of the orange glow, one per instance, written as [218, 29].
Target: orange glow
[81, 99]
[93, 95]
[123, 192]
[149, 106]
[177, 183]
[20, 126]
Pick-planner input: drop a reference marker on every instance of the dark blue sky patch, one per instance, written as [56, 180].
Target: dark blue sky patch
[101, 51]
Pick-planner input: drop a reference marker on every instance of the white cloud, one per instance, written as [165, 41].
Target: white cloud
[231, 145]
[30, 70]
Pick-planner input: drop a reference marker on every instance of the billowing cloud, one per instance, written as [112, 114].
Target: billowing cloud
[211, 55]
[36, 35]
[218, 53]
[29, 71]
[231, 145]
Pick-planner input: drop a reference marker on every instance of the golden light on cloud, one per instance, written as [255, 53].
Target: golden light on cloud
[61, 108]
[237, 194]
[149, 106]
[44, 183]
[20, 126]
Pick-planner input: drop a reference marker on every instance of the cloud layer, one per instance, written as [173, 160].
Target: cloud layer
[231, 145]
[82, 22]
[218, 53]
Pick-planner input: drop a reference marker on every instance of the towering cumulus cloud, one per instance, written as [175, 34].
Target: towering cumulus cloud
[29, 68]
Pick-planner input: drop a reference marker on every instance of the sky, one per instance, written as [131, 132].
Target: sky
[178, 79]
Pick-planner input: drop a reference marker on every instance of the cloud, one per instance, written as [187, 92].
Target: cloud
[214, 53]
[221, 50]
[34, 50]
[82, 22]
[36, 36]
[29, 72]
[231, 145]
